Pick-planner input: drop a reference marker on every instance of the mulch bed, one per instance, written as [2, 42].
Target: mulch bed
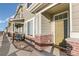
[22, 46]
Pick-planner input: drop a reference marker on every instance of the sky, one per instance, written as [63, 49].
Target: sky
[7, 10]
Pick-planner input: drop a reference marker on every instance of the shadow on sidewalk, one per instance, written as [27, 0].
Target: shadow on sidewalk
[4, 49]
[63, 49]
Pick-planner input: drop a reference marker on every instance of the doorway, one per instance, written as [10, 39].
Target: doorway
[61, 27]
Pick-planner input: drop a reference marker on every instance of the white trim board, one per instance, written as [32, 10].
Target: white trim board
[32, 19]
[70, 17]
[74, 35]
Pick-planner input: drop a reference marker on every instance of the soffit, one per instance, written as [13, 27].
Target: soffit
[58, 8]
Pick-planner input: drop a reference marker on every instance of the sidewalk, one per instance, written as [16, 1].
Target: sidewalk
[8, 49]
[17, 52]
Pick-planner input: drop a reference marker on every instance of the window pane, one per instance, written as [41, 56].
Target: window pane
[56, 17]
[65, 29]
[65, 15]
[60, 16]
[30, 28]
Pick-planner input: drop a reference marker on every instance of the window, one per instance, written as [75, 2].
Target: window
[56, 17]
[30, 27]
[33, 26]
[65, 28]
[65, 15]
[61, 16]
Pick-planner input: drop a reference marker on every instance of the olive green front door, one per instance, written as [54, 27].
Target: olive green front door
[59, 31]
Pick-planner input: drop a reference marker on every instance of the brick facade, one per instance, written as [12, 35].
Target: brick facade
[75, 46]
[41, 42]
[45, 39]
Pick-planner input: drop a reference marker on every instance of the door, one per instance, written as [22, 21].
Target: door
[59, 31]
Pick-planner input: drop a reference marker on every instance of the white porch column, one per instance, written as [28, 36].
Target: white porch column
[70, 19]
[39, 23]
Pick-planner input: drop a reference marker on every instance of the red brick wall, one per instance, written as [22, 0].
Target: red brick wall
[47, 39]
[75, 44]
[44, 39]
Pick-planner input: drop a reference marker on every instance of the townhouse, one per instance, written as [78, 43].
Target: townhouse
[52, 23]
[19, 20]
[74, 28]
[41, 26]
[10, 27]
[48, 24]
[33, 26]
[16, 24]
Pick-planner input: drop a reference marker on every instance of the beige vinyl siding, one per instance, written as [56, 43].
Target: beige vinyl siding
[28, 15]
[75, 17]
[45, 25]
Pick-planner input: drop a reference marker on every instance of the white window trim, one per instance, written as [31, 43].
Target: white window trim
[32, 19]
[33, 26]
[74, 35]
[70, 17]
[40, 23]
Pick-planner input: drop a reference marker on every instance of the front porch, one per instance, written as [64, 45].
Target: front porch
[18, 26]
[44, 27]
[58, 17]
[8, 49]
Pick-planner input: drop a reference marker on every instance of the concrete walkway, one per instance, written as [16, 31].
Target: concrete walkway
[8, 49]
